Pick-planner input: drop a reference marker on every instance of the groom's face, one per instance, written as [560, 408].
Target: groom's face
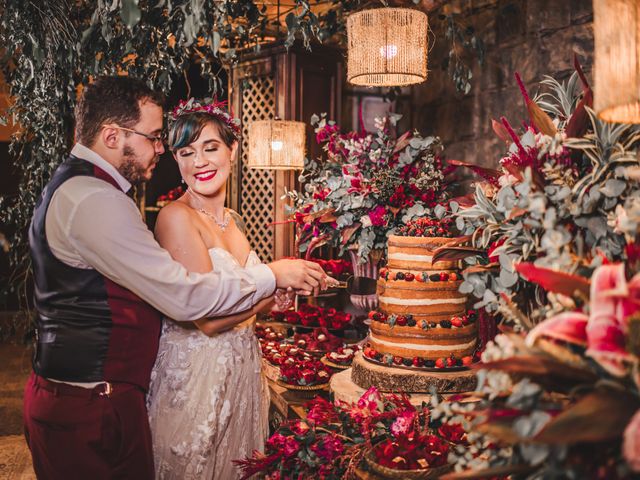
[139, 153]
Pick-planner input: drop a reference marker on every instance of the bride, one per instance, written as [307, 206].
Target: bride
[207, 401]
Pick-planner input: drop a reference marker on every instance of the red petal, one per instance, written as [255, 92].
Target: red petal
[567, 327]
[553, 280]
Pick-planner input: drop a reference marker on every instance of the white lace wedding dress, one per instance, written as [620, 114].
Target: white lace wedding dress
[208, 402]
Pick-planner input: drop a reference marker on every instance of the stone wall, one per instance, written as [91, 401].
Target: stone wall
[532, 37]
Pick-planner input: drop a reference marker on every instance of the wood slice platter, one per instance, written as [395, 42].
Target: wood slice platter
[389, 379]
[343, 389]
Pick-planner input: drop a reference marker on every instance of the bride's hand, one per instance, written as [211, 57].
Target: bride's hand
[284, 299]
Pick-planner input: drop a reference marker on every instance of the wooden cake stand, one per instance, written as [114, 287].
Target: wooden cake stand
[392, 379]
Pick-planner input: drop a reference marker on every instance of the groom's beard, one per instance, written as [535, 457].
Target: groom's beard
[132, 169]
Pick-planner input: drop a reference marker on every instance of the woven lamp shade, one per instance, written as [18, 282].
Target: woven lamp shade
[276, 145]
[387, 47]
[616, 25]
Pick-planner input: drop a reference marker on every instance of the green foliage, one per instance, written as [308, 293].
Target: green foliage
[560, 203]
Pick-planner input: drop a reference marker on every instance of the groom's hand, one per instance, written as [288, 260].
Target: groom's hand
[304, 277]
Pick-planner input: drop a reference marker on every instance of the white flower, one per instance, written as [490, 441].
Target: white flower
[365, 220]
[507, 180]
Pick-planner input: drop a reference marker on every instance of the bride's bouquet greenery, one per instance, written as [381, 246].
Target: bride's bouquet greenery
[367, 186]
[559, 199]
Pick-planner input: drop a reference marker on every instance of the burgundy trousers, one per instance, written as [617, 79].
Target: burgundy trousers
[74, 432]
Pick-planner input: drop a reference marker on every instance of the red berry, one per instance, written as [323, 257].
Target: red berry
[401, 320]
[453, 277]
[440, 363]
[468, 360]
[409, 277]
[419, 278]
[444, 276]
[417, 362]
[456, 321]
[371, 314]
[397, 360]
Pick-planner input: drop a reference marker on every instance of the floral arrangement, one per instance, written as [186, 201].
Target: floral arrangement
[369, 184]
[312, 316]
[554, 250]
[565, 399]
[305, 373]
[333, 439]
[559, 199]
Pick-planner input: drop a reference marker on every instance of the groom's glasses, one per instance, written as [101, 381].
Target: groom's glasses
[156, 140]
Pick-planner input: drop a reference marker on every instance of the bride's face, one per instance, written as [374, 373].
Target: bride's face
[206, 163]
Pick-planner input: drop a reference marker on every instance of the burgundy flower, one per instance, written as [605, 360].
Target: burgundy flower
[321, 411]
[276, 441]
[290, 447]
[452, 432]
[329, 448]
[377, 216]
[403, 424]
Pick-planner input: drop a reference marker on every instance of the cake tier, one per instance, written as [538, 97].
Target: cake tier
[433, 298]
[416, 253]
[432, 343]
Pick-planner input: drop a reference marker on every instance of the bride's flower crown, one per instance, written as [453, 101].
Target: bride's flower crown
[215, 109]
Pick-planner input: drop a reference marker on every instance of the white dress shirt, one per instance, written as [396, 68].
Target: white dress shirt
[92, 224]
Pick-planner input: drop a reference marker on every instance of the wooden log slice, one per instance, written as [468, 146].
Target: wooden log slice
[388, 379]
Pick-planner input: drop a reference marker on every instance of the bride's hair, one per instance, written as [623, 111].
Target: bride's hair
[187, 128]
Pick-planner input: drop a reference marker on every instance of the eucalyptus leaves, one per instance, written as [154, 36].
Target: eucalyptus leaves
[560, 200]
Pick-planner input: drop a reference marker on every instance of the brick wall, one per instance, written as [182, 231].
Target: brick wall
[532, 37]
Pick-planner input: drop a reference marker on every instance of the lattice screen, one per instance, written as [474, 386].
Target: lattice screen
[257, 190]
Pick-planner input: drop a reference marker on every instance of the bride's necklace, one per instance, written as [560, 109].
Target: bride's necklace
[222, 224]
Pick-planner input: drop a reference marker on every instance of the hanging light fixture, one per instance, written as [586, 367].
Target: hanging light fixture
[616, 25]
[387, 47]
[276, 144]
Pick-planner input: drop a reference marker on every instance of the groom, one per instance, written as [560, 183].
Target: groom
[101, 285]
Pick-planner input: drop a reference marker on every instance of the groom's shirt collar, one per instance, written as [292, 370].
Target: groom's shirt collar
[90, 156]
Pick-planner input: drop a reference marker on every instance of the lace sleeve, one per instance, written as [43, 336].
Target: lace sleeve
[242, 226]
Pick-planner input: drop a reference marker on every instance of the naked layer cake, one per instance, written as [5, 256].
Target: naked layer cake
[422, 320]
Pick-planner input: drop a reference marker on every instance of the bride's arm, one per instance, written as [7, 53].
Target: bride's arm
[176, 232]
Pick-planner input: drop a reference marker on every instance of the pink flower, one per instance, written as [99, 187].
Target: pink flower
[276, 441]
[377, 216]
[604, 330]
[290, 447]
[328, 448]
[403, 425]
